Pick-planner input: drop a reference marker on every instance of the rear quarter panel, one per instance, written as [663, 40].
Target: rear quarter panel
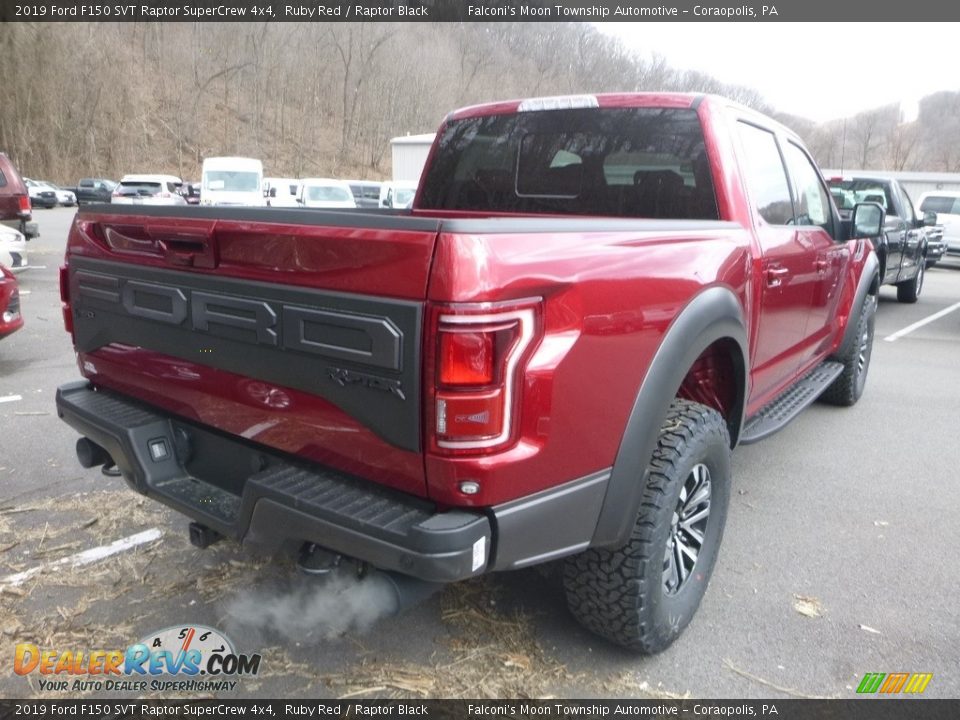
[608, 298]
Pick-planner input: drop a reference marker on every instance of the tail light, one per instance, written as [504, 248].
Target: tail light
[116, 193]
[479, 355]
[25, 206]
[65, 299]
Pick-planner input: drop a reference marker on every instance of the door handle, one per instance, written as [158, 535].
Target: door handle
[776, 276]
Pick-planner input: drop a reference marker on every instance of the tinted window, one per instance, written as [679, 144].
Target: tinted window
[139, 188]
[941, 204]
[623, 162]
[3, 179]
[765, 175]
[812, 202]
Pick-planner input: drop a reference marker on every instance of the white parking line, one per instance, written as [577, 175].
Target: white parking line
[920, 323]
[84, 558]
[10, 398]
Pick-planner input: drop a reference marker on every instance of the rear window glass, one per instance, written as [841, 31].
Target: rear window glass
[327, 193]
[622, 162]
[3, 179]
[941, 204]
[139, 188]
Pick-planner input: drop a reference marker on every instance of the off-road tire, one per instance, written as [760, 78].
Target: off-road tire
[909, 290]
[621, 594]
[848, 387]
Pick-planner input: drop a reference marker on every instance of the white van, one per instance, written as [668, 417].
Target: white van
[232, 181]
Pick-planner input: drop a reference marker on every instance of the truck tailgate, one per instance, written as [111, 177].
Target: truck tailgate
[260, 323]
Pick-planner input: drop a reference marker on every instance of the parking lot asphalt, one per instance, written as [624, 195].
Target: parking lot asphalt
[839, 556]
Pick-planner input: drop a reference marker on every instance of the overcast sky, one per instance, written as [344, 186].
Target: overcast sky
[820, 71]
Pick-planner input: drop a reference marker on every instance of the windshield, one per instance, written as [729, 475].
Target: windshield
[402, 196]
[231, 181]
[621, 162]
[327, 193]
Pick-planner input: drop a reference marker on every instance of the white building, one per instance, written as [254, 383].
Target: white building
[409, 155]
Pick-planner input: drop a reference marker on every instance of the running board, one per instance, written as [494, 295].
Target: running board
[777, 414]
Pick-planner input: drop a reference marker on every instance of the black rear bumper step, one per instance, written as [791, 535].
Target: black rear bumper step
[247, 493]
[777, 414]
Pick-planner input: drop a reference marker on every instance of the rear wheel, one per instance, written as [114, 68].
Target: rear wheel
[643, 594]
[909, 290]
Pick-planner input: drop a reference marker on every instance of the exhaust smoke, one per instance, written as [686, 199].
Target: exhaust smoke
[308, 609]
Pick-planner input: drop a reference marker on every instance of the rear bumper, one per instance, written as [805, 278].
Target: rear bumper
[246, 493]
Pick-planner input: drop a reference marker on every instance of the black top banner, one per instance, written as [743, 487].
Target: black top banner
[487, 709]
[853, 11]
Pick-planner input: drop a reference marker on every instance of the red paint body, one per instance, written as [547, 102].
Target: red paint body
[607, 299]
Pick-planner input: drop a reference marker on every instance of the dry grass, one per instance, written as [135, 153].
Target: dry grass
[483, 652]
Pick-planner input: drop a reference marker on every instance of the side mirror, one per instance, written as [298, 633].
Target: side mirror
[273, 192]
[929, 218]
[867, 219]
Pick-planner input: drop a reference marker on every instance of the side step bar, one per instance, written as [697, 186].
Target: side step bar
[777, 414]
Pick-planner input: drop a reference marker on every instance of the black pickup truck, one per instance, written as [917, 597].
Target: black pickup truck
[93, 190]
[902, 245]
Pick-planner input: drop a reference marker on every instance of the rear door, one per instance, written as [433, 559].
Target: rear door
[814, 220]
[787, 273]
[298, 330]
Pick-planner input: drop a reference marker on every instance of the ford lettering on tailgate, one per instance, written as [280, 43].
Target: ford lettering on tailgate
[320, 342]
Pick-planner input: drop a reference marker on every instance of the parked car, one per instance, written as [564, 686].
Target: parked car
[946, 205]
[397, 194]
[65, 197]
[902, 245]
[366, 193]
[40, 194]
[11, 319]
[281, 192]
[15, 209]
[97, 190]
[148, 190]
[13, 249]
[325, 193]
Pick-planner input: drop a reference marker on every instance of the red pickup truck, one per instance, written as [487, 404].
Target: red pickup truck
[552, 355]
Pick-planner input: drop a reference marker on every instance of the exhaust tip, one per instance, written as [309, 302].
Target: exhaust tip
[316, 560]
[89, 454]
[203, 537]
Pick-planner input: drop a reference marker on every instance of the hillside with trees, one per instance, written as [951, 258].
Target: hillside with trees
[106, 99]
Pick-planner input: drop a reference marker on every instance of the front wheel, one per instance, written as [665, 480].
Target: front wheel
[644, 593]
[848, 387]
[909, 290]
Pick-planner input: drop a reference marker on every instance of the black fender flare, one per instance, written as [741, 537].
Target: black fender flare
[714, 314]
[869, 277]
